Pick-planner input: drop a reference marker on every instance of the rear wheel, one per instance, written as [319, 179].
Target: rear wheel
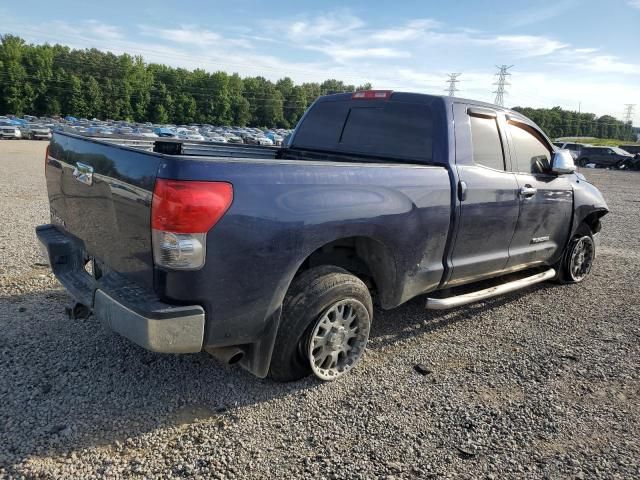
[577, 260]
[326, 318]
[583, 162]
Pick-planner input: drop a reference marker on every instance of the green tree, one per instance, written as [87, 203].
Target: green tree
[75, 103]
[93, 97]
[13, 97]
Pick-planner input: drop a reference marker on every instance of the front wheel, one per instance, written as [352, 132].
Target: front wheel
[582, 162]
[577, 260]
[326, 318]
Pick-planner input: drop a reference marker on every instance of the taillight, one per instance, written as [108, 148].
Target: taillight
[372, 95]
[182, 212]
[46, 157]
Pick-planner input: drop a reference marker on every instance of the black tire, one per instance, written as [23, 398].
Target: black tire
[567, 268]
[310, 295]
[582, 162]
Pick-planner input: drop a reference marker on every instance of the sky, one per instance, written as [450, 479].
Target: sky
[575, 54]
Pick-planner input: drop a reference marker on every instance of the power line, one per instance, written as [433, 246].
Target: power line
[452, 88]
[628, 112]
[501, 83]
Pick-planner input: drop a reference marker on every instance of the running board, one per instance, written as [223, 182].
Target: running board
[459, 300]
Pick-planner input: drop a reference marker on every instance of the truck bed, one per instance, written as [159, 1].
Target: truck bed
[283, 209]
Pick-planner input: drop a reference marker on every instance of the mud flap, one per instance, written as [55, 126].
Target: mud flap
[258, 355]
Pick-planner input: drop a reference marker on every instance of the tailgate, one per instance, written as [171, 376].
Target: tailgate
[101, 194]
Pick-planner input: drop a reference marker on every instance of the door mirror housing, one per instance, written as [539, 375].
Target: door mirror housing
[562, 162]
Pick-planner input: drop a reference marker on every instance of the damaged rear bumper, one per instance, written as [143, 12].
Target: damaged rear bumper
[123, 306]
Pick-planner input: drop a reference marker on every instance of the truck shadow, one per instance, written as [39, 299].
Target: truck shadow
[412, 319]
[72, 384]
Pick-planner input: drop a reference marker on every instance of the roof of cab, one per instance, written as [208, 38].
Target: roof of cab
[420, 98]
[427, 98]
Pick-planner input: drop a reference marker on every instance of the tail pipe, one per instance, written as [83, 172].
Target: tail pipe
[227, 355]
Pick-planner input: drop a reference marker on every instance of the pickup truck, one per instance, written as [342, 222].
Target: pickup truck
[270, 257]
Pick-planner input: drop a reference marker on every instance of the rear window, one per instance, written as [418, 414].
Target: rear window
[386, 129]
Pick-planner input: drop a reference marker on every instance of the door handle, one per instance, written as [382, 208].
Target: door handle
[462, 191]
[528, 191]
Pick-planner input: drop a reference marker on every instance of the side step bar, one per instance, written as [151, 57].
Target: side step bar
[458, 300]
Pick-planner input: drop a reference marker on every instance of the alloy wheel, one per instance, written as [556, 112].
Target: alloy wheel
[581, 259]
[338, 339]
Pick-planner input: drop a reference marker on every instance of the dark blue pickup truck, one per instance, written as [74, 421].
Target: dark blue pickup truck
[270, 257]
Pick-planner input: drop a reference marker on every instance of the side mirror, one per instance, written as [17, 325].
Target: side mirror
[562, 162]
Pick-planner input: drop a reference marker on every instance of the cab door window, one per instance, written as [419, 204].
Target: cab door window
[486, 143]
[533, 154]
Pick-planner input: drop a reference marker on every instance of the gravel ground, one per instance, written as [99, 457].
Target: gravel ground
[542, 383]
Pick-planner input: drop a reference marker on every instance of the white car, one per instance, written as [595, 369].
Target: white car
[264, 141]
[36, 131]
[189, 135]
[144, 132]
[216, 138]
[10, 131]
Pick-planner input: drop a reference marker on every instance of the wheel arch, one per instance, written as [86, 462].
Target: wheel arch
[365, 257]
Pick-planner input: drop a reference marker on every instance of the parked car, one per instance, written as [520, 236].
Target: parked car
[185, 134]
[102, 131]
[144, 132]
[574, 148]
[264, 141]
[9, 131]
[604, 157]
[272, 264]
[214, 137]
[231, 138]
[633, 149]
[164, 132]
[275, 138]
[36, 131]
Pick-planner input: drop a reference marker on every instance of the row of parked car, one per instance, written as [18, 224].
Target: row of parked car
[625, 157]
[34, 128]
[28, 128]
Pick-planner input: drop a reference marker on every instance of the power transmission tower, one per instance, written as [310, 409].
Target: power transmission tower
[628, 112]
[501, 83]
[452, 88]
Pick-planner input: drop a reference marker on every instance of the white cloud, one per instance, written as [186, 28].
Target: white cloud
[322, 27]
[192, 35]
[525, 45]
[103, 30]
[540, 13]
[186, 34]
[412, 30]
[593, 60]
[634, 3]
[343, 54]
[93, 28]
[346, 37]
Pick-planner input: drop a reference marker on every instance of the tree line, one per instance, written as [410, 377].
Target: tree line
[47, 80]
[557, 122]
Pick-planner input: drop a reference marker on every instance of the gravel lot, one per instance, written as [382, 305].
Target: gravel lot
[543, 383]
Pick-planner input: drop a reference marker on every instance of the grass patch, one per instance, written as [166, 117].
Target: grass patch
[605, 142]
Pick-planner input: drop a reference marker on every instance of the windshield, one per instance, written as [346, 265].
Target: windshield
[620, 151]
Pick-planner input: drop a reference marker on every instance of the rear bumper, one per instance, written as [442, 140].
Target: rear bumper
[123, 306]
